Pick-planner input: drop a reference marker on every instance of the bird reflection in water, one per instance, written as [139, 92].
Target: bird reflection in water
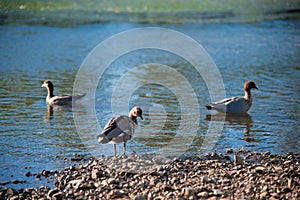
[49, 115]
[240, 119]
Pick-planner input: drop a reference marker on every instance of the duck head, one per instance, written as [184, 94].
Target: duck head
[48, 84]
[249, 85]
[136, 112]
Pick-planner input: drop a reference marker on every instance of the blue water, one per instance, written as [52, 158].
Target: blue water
[266, 52]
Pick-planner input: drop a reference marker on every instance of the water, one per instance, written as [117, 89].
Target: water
[31, 135]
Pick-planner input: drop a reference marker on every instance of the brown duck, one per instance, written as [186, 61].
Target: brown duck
[235, 105]
[120, 129]
[60, 100]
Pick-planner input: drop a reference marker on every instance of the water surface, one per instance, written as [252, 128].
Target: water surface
[32, 135]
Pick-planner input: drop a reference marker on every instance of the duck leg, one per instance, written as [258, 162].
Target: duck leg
[124, 148]
[115, 148]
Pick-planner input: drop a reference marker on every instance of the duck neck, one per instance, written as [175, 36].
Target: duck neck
[247, 94]
[50, 92]
[134, 118]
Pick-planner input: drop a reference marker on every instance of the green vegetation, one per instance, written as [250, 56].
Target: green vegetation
[78, 11]
[145, 5]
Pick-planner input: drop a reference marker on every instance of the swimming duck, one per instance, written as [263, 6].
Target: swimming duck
[120, 129]
[60, 100]
[235, 105]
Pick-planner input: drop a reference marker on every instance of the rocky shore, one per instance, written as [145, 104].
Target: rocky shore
[236, 175]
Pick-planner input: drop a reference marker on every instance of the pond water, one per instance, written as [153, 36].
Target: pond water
[34, 137]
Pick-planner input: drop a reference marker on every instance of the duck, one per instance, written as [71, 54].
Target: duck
[60, 100]
[120, 129]
[235, 105]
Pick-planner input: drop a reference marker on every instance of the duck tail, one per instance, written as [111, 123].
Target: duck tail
[208, 106]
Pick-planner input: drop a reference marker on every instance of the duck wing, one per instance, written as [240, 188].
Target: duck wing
[61, 100]
[64, 100]
[238, 106]
[118, 129]
[221, 106]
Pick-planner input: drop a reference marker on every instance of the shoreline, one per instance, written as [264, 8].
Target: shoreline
[236, 174]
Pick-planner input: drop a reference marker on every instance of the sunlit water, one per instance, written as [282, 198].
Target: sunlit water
[32, 135]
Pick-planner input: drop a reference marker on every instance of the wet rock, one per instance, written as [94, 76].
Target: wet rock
[229, 151]
[4, 183]
[16, 181]
[38, 176]
[27, 174]
[238, 160]
[45, 173]
[11, 192]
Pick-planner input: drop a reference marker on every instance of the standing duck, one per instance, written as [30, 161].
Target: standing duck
[120, 129]
[235, 105]
[60, 100]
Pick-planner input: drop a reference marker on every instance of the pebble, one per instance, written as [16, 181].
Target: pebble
[217, 192]
[238, 160]
[147, 176]
[260, 169]
[229, 151]
[203, 194]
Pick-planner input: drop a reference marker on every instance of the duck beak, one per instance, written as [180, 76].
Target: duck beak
[256, 87]
[44, 85]
[141, 117]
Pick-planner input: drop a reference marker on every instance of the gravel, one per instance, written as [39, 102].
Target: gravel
[238, 174]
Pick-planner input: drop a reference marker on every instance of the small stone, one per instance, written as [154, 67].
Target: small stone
[229, 151]
[45, 173]
[214, 153]
[275, 195]
[290, 182]
[111, 180]
[139, 197]
[38, 175]
[264, 195]
[95, 173]
[217, 192]
[52, 192]
[76, 159]
[114, 194]
[11, 192]
[238, 160]
[205, 179]
[267, 153]
[189, 193]
[203, 194]
[16, 197]
[286, 190]
[260, 169]
[211, 171]
[27, 174]
[15, 181]
[241, 150]
[57, 196]
[4, 183]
